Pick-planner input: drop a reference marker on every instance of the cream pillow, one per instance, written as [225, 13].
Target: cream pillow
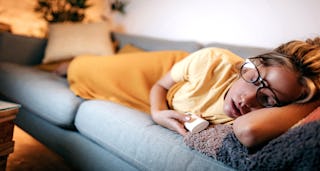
[67, 40]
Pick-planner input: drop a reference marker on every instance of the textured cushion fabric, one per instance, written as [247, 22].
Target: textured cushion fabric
[21, 49]
[69, 40]
[297, 149]
[300, 148]
[152, 44]
[45, 94]
[134, 137]
[243, 51]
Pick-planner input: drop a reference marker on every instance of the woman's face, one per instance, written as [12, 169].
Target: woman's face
[241, 97]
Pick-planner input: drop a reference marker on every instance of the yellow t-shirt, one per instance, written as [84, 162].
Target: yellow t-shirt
[202, 79]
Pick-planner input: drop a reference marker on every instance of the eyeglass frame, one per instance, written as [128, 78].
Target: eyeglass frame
[262, 84]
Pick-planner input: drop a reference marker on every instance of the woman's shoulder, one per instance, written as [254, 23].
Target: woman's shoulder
[217, 53]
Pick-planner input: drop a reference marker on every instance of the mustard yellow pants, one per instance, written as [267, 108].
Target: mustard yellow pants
[125, 79]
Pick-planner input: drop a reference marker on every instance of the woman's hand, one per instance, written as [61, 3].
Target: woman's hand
[159, 110]
[171, 119]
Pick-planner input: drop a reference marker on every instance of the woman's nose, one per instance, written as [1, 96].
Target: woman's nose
[249, 99]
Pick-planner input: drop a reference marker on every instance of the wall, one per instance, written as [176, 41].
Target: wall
[263, 23]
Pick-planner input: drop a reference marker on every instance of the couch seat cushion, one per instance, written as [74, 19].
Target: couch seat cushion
[134, 137]
[43, 93]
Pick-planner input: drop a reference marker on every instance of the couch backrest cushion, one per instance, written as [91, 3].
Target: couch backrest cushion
[153, 44]
[243, 51]
[21, 49]
[68, 40]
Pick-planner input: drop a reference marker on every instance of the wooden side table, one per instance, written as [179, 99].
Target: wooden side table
[8, 113]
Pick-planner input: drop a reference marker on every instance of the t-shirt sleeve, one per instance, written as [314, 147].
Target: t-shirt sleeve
[194, 64]
[182, 70]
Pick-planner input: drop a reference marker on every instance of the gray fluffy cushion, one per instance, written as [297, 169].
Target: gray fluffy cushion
[297, 149]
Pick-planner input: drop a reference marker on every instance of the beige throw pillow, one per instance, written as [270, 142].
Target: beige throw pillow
[67, 40]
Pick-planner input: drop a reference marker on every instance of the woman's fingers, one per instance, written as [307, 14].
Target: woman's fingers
[176, 121]
[180, 117]
[172, 120]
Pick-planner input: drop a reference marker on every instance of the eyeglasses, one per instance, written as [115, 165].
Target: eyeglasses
[264, 95]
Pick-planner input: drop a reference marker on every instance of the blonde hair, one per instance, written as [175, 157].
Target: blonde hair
[305, 57]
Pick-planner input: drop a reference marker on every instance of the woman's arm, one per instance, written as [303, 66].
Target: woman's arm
[159, 109]
[262, 125]
[158, 93]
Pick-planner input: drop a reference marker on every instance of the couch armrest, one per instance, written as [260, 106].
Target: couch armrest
[21, 49]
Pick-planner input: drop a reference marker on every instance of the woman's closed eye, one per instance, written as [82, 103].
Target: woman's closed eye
[250, 75]
[266, 97]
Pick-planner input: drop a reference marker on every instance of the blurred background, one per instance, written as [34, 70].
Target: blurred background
[263, 23]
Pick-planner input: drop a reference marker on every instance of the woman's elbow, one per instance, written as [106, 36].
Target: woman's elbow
[246, 134]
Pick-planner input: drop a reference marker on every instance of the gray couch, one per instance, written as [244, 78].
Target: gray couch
[95, 134]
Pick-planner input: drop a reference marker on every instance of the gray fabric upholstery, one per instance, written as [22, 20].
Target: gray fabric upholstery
[46, 94]
[21, 49]
[86, 155]
[80, 152]
[137, 139]
[152, 44]
[243, 51]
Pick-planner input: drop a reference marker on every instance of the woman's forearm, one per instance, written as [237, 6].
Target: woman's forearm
[158, 98]
[260, 126]
[158, 93]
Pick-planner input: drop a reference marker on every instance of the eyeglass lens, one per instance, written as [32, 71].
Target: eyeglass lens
[264, 94]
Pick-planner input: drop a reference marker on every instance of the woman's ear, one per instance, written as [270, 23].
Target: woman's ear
[309, 92]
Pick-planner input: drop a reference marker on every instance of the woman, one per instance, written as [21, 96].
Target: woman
[212, 83]
[200, 83]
